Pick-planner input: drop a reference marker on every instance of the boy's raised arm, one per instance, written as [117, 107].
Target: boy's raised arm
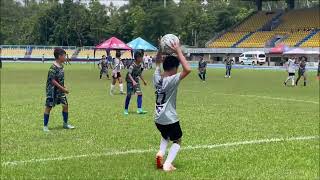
[185, 65]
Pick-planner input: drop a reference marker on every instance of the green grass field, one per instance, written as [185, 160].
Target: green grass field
[225, 113]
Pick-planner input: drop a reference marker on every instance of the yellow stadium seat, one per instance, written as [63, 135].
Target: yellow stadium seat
[300, 19]
[314, 41]
[13, 52]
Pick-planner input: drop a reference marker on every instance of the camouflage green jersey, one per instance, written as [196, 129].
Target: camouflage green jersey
[56, 72]
[202, 66]
[135, 71]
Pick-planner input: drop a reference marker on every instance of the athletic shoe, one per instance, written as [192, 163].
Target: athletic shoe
[67, 126]
[126, 112]
[141, 111]
[45, 129]
[168, 167]
[122, 93]
[159, 160]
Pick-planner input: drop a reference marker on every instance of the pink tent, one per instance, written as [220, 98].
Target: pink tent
[112, 44]
[281, 48]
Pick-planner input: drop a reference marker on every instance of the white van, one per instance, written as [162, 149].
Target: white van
[253, 57]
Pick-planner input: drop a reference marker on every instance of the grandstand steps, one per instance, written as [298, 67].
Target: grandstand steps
[217, 36]
[242, 39]
[273, 23]
[275, 40]
[310, 35]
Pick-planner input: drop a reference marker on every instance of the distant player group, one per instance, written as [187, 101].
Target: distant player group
[165, 83]
[292, 65]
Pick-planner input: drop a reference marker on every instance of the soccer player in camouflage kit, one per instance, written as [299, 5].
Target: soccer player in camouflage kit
[56, 91]
[103, 67]
[133, 85]
[302, 71]
[202, 67]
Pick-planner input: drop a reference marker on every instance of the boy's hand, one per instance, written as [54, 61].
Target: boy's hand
[66, 91]
[134, 83]
[176, 47]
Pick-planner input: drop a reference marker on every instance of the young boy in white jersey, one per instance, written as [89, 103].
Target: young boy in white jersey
[116, 74]
[291, 69]
[166, 119]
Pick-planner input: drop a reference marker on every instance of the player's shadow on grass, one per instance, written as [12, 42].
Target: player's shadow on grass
[134, 113]
[56, 128]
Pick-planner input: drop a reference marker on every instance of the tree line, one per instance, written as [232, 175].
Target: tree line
[48, 22]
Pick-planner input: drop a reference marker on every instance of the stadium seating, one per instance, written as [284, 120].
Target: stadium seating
[13, 52]
[295, 24]
[314, 41]
[99, 53]
[83, 53]
[300, 19]
[294, 38]
[256, 21]
[48, 52]
[227, 39]
[258, 39]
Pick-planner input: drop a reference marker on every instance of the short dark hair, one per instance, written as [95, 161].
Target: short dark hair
[170, 62]
[103, 55]
[138, 54]
[58, 52]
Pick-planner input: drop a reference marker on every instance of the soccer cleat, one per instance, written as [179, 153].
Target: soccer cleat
[126, 112]
[229, 76]
[67, 126]
[140, 111]
[45, 129]
[122, 93]
[159, 160]
[168, 167]
[225, 76]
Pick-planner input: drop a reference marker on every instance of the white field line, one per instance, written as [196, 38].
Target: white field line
[142, 151]
[262, 97]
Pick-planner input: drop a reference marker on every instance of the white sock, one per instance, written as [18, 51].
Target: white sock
[163, 146]
[172, 153]
[121, 87]
[112, 87]
[288, 79]
[292, 80]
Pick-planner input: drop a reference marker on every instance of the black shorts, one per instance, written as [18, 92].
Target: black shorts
[118, 75]
[291, 74]
[52, 101]
[171, 131]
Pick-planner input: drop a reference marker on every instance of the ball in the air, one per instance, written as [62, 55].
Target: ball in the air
[167, 41]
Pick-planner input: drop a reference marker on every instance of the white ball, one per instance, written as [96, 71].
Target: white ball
[167, 41]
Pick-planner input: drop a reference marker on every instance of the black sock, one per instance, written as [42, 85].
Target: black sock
[100, 76]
